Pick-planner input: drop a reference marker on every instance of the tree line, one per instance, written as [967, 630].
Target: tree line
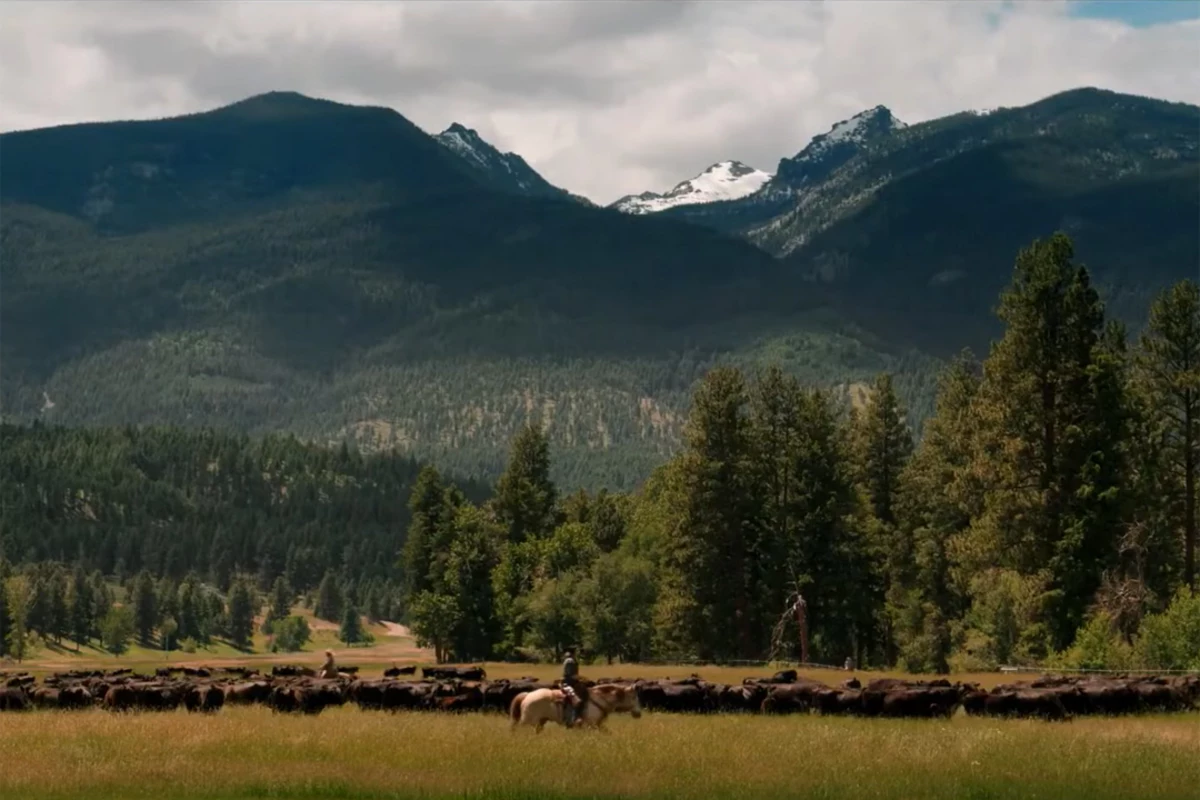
[167, 536]
[1047, 515]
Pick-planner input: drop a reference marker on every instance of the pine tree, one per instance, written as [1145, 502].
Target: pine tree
[432, 509]
[1051, 418]
[60, 619]
[82, 612]
[241, 614]
[713, 553]
[281, 600]
[168, 600]
[116, 629]
[19, 594]
[102, 601]
[145, 607]
[525, 497]
[329, 599]
[473, 557]
[1168, 367]
[882, 447]
[351, 630]
[935, 506]
[38, 615]
[6, 622]
[190, 612]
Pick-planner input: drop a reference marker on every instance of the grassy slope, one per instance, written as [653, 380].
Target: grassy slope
[346, 753]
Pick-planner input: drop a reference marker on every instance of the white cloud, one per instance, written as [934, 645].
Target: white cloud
[604, 98]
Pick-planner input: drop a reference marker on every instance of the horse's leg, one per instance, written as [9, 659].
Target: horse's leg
[541, 724]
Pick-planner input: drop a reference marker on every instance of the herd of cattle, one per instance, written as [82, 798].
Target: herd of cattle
[460, 689]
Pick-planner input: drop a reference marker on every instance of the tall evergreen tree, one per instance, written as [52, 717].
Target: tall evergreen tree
[329, 599]
[882, 447]
[934, 506]
[351, 630]
[190, 611]
[6, 622]
[241, 614]
[1050, 419]
[432, 508]
[60, 618]
[473, 557]
[145, 607]
[19, 592]
[1169, 371]
[82, 612]
[714, 551]
[281, 600]
[525, 497]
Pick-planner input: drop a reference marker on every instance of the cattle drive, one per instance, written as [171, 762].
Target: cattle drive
[534, 703]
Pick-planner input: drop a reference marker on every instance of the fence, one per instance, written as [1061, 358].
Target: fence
[1064, 671]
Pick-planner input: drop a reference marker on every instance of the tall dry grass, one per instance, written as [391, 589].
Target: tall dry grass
[347, 753]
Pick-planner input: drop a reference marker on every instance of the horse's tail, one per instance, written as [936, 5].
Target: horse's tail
[514, 708]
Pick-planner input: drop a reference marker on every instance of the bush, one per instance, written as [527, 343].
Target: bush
[291, 634]
[116, 629]
[1097, 645]
[1171, 640]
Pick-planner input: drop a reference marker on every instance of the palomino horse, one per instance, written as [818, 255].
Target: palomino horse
[546, 705]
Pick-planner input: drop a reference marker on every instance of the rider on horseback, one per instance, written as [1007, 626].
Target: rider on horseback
[571, 680]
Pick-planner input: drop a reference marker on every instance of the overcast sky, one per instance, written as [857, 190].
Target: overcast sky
[603, 98]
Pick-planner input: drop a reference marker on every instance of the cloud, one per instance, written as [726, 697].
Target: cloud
[605, 98]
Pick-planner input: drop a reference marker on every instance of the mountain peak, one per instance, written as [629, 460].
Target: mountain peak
[278, 103]
[504, 171]
[724, 180]
[828, 151]
[864, 125]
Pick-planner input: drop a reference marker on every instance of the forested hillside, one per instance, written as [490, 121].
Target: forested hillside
[912, 227]
[290, 264]
[1048, 516]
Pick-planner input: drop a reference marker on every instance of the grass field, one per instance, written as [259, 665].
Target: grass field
[347, 753]
[248, 752]
[392, 644]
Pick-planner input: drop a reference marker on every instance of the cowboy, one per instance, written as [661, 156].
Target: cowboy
[570, 680]
[328, 669]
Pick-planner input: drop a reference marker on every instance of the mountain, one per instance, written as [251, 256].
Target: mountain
[293, 264]
[725, 180]
[506, 172]
[912, 228]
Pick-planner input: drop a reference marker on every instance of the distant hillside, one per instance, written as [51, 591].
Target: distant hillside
[912, 228]
[293, 264]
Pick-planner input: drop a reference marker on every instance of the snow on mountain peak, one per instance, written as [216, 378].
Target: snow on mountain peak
[503, 169]
[873, 121]
[828, 151]
[725, 180]
[467, 143]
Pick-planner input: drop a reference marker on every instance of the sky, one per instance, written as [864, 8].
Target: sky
[602, 98]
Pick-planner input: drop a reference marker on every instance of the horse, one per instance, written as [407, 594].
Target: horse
[546, 705]
[537, 708]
